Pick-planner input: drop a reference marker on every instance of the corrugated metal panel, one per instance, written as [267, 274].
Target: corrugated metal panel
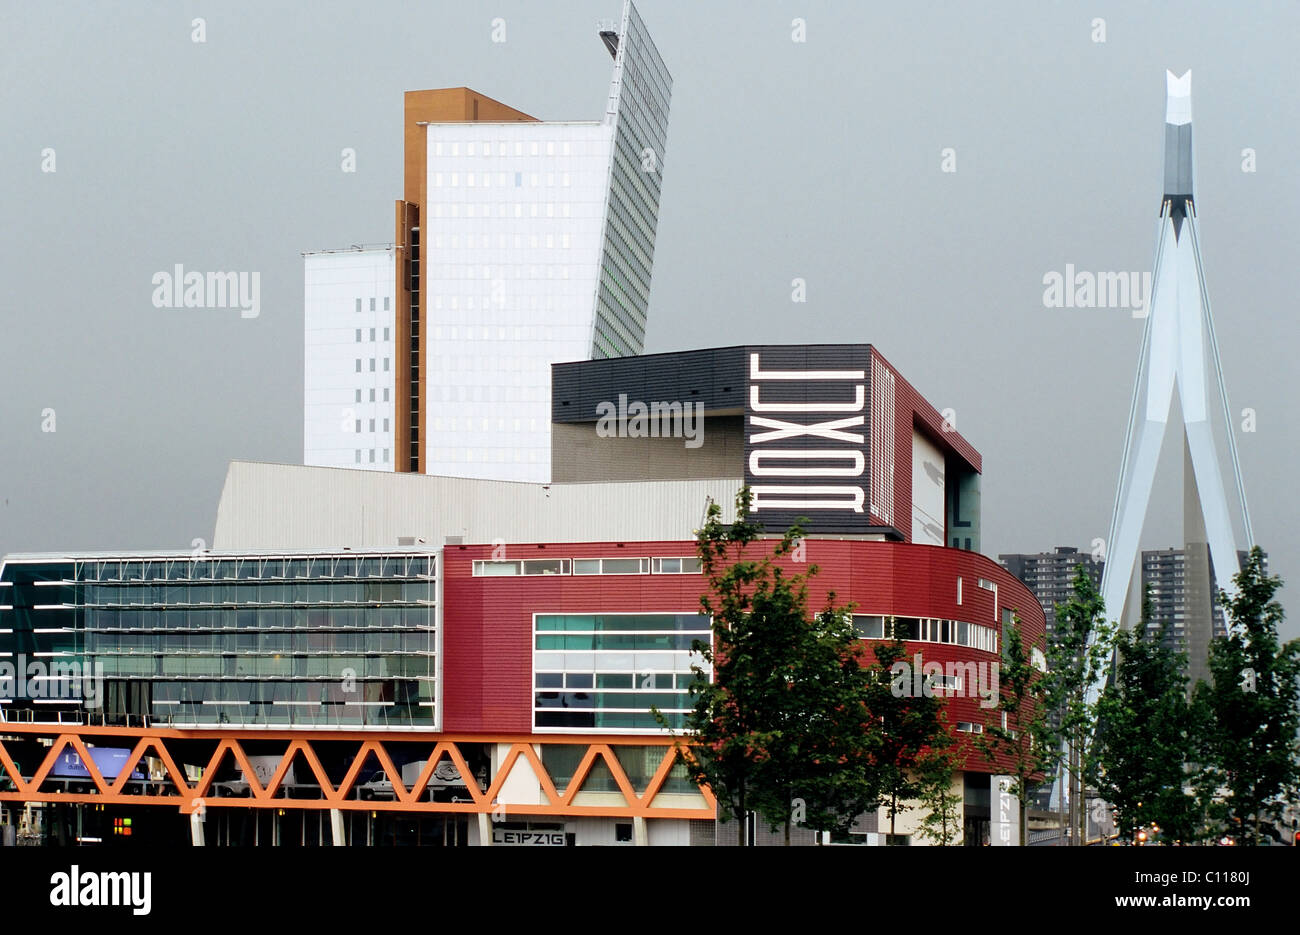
[713, 377]
[284, 506]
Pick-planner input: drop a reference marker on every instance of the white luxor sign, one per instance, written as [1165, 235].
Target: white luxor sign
[806, 442]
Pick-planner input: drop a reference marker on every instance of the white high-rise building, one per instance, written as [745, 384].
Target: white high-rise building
[348, 366]
[519, 243]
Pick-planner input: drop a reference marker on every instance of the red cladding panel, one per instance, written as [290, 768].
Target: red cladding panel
[488, 621]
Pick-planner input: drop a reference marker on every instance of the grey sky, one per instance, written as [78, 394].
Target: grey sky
[818, 160]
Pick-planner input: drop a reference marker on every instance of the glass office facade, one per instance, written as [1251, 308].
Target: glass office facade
[606, 671]
[305, 640]
[638, 109]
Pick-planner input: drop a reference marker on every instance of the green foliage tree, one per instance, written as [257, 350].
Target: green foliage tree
[935, 771]
[1146, 734]
[1078, 655]
[1020, 733]
[829, 743]
[782, 727]
[909, 723]
[1251, 706]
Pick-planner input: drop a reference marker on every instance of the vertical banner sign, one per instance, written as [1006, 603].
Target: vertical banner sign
[1006, 813]
[806, 431]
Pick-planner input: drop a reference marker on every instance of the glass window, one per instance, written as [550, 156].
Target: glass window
[625, 566]
[546, 566]
[869, 627]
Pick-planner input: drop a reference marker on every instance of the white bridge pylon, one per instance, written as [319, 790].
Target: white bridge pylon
[1178, 343]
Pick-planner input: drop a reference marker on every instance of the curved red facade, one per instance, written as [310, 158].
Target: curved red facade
[487, 642]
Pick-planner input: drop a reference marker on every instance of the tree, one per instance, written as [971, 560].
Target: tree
[1077, 656]
[1145, 734]
[782, 727]
[1020, 733]
[1252, 704]
[909, 723]
[934, 772]
[830, 743]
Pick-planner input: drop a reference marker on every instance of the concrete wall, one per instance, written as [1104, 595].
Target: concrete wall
[578, 453]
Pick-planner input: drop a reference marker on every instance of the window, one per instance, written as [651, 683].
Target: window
[358, 365]
[372, 330]
[358, 335]
[557, 566]
[359, 395]
[546, 566]
[966, 727]
[945, 683]
[869, 627]
[372, 365]
[605, 672]
[676, 566]
[611, 566]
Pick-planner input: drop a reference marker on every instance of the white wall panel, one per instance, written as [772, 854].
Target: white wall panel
[348, 413]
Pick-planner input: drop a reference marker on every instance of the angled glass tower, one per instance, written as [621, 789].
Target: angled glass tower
[518, 243]
[637, 119]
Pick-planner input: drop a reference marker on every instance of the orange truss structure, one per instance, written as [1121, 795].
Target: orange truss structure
[176, 791]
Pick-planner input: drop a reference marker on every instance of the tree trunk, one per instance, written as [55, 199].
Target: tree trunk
[744, 816]
[1082, 812]
[1060, 802]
